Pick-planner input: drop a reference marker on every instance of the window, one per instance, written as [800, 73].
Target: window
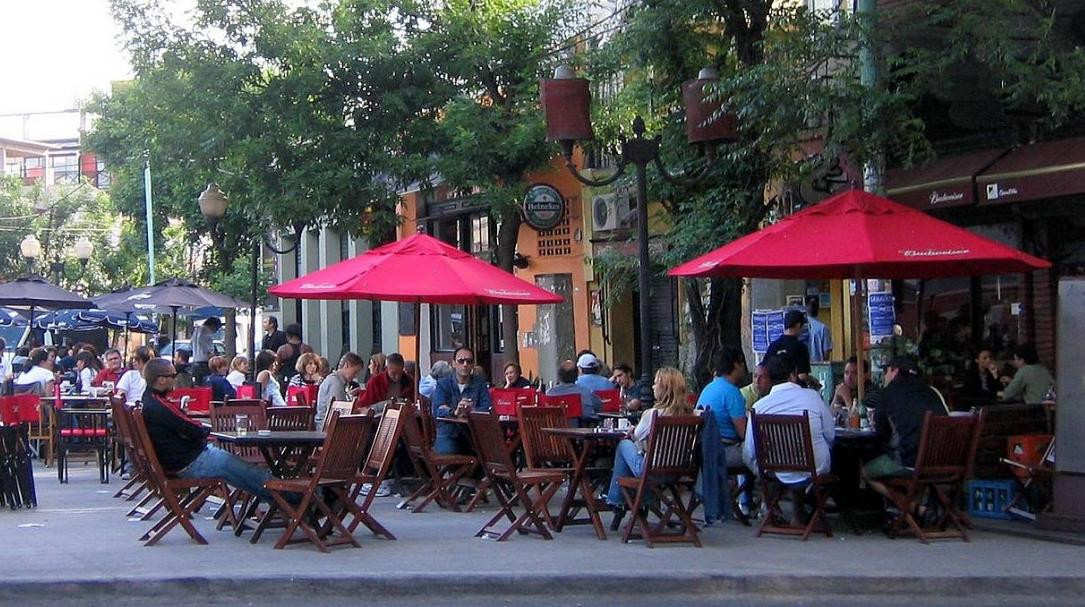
[480, 234]
[449, 327]
[102, 177]
[65, 169]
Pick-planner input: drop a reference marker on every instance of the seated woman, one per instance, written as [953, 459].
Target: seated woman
[221, 388]
[266, 363]
[670, 392]
[514, 377]
[981, 377]
[239, 368]
[86, 365]
[308, 371]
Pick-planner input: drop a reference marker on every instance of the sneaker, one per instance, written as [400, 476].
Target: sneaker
[126, 476]
[385, 488]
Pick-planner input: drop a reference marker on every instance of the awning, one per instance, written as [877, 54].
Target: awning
[1031, 172]
[945, 182]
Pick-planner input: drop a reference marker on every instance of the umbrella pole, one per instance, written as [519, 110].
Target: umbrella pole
[127, 319]
[857, 332]
[173, 329]
[418, 351]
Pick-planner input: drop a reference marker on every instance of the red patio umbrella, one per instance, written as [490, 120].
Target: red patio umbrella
[856, 234]
[418, 269]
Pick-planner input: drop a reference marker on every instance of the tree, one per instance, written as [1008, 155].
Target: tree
[490, 55]
[792, 78]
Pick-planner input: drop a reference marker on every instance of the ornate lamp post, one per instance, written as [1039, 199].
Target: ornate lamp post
[566, 102]
[213, 208]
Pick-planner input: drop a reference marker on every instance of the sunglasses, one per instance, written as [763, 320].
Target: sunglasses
[465, 361]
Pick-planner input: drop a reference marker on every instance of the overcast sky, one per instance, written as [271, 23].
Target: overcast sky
[56, 53]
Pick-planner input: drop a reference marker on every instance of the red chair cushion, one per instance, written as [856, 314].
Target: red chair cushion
[84, 432]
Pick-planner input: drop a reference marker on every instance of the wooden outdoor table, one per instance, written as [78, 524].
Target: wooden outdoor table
[583, 441]
[279, 448]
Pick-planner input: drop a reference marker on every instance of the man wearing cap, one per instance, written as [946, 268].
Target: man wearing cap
[588, 366]
[788, 343]
[898, 420]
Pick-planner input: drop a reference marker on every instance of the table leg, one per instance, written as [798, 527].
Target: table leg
[579, 482]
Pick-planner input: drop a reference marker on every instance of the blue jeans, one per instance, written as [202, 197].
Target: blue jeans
[628, 462]
[214, 462]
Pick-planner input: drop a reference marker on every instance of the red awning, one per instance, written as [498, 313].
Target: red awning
[945, 182]
[1032, 172]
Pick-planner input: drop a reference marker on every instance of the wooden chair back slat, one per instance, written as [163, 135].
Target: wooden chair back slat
[493, 452]
[672, 446]
[425, 416]
[544, 449]
[243, 402]
[345, 446]
[290, 418]
[343, 407]
[223, 419]
[783, 443]
[947, 446]
[384, 443]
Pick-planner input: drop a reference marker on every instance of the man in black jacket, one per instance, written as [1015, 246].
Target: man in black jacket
[898, 420]
[181, 442]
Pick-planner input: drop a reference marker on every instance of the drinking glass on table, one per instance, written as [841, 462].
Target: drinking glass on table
[242, 424]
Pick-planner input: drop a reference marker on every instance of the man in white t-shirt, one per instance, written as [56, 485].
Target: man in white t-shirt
[40, 372]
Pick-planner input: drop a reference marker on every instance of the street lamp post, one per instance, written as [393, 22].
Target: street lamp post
[566, 102]
[213, 208]
[30, 248]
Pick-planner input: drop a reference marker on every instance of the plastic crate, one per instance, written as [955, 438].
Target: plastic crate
[990, 498]
[1027, 449]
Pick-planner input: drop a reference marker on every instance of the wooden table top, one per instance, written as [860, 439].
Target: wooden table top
[586, 433]
[275, 437]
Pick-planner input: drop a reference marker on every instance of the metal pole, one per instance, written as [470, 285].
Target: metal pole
[644, 287]
[252, 307]
[150, 220]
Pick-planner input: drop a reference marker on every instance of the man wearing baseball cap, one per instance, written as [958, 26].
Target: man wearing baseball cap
[588, 366]
[898, 420]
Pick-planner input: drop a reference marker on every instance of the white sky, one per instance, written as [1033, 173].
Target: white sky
[56, 53]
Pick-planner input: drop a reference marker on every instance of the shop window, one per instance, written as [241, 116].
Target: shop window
[65, 169]
[449, 327]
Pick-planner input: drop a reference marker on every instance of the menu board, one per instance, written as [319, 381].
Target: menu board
[882, 316]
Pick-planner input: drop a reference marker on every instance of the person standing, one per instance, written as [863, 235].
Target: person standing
[203, 348]
[455, 396]
[297, 347]
[820, 341]
[273, 337]
[789, 344]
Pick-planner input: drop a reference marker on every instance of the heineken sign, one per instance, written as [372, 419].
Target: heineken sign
[544, 208]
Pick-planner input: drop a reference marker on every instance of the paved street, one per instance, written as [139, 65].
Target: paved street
[79, 534]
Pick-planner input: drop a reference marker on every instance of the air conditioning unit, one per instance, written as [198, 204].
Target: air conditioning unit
[604, 212]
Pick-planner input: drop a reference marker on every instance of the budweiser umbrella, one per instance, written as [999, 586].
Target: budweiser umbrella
[856, 234]
[418, 269]
[860, 233]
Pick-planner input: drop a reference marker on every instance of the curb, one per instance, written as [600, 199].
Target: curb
[421, 585]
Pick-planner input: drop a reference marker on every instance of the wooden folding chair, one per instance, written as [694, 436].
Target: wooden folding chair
[511, 488]
[181, 497]
[947, 450]
[137, 483]
[224, 419]
[784, 444]
[670, 466]
[439, 474]
[336, 470]
[373, 472]
[343, 407]
[42, 434]
[544, 450]
[295, 417]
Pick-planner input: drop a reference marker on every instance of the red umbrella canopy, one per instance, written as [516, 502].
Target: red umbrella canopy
[856, 231]
[421, 269]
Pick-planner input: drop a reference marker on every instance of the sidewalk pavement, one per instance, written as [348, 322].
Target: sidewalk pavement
[79, 539]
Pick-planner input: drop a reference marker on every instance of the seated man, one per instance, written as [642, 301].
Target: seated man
[758, 388]
[589, 366]
[392, 383]
[334, 386]
[1032, 381]
[112, 370]
[788, 398]
[722, 397]
[898, 420]
[181, 442]
[627, 384]
[454, 397]
[590, 405]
